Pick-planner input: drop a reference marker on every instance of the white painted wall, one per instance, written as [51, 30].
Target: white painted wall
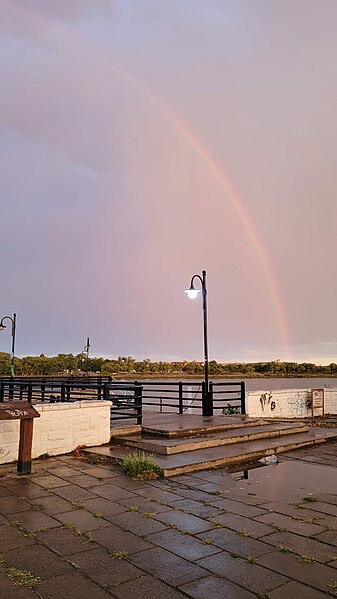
[60, 429]
[287, 403]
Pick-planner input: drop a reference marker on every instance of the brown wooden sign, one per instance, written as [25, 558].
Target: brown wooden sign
[23, 411]
[17, 410]
[317, 400]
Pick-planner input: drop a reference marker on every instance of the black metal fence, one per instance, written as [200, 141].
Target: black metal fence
[130, 399]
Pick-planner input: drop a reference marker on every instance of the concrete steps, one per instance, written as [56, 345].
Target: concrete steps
[213, 457]
[186, 443]
[169, 446]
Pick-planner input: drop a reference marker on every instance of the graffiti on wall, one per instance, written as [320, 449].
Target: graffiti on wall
[297, 405]
[265, 401]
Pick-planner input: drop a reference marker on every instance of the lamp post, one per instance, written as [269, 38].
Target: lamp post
[2, 327]
[192, 292]
[86, 351]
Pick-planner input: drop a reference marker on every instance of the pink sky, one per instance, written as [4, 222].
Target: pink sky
[143, 141]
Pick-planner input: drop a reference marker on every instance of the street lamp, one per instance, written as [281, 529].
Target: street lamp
[2, 327]
[86, 351]
[192, 292]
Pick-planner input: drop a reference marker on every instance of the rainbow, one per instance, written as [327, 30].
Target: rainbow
[68, 36]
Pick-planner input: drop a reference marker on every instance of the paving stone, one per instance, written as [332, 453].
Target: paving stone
[297, 526]
[287, 509]
[296, 590]
[53, 504]
[5, 492]
[236, 507]
[146, 587]
[242, 524]
[111, 491]
[11, 591]
[190, 494]
[212, 586]
[99, 566]
[115, 538]
[33, 520]
[234, 543]
[183, 521]
[12, 505]
[322, 508]
[83, 480]
[64, 541]
[168, 567]
[13, 538]
[197, 509]
[30, 490]
[185, 546]
[330, 537]
[126, 482]
[63, 471]
[49, 481]
[82, 519]
[302, 546]
[71, 586]
[105, 506]
[250, 576]
[74, 493]
[313, 574]
[100, 472]
[144, 504]
[38, 560]
[159, 495]
[138, 523]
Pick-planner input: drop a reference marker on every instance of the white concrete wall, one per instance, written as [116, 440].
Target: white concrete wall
[60, 429]
[287, 403]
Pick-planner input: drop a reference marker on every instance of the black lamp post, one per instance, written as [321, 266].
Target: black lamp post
[2, 327]
[192, 292]
[86, 351]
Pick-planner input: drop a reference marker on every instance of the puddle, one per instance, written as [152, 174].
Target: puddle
[287, 481]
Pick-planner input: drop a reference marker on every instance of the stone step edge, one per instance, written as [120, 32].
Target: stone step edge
[189, 432]
[253, 455]
[195, 444]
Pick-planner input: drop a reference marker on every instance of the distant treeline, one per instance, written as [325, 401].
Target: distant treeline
[127, 366]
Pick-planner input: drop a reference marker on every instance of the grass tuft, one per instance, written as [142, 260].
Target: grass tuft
[140, 466]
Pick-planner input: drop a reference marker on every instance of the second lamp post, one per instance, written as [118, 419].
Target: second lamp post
[192, 292]
[2, 327]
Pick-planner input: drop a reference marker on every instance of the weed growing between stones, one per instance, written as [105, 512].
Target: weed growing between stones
[140, 466]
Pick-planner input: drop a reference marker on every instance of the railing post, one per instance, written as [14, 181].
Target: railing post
[243, 397]
[63, 392]
[11, 390]
[106, 392]
[43, 389]
[68, 391]
[139, 403]
[99, 387]
[203, 396]
[210, 399]
[29, 392]
[2, 389]
[181, 398]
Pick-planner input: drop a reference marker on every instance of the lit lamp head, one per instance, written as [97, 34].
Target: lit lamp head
[2, 326]
[192, 292]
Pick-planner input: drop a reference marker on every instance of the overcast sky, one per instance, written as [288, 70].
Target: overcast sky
[142, 141]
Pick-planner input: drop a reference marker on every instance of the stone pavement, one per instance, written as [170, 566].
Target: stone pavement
[87, 531]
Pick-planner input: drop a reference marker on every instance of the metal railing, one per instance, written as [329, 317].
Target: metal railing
[130, 399]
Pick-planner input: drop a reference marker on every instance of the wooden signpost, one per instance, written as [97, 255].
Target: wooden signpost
[23, 411]
[317, 400]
